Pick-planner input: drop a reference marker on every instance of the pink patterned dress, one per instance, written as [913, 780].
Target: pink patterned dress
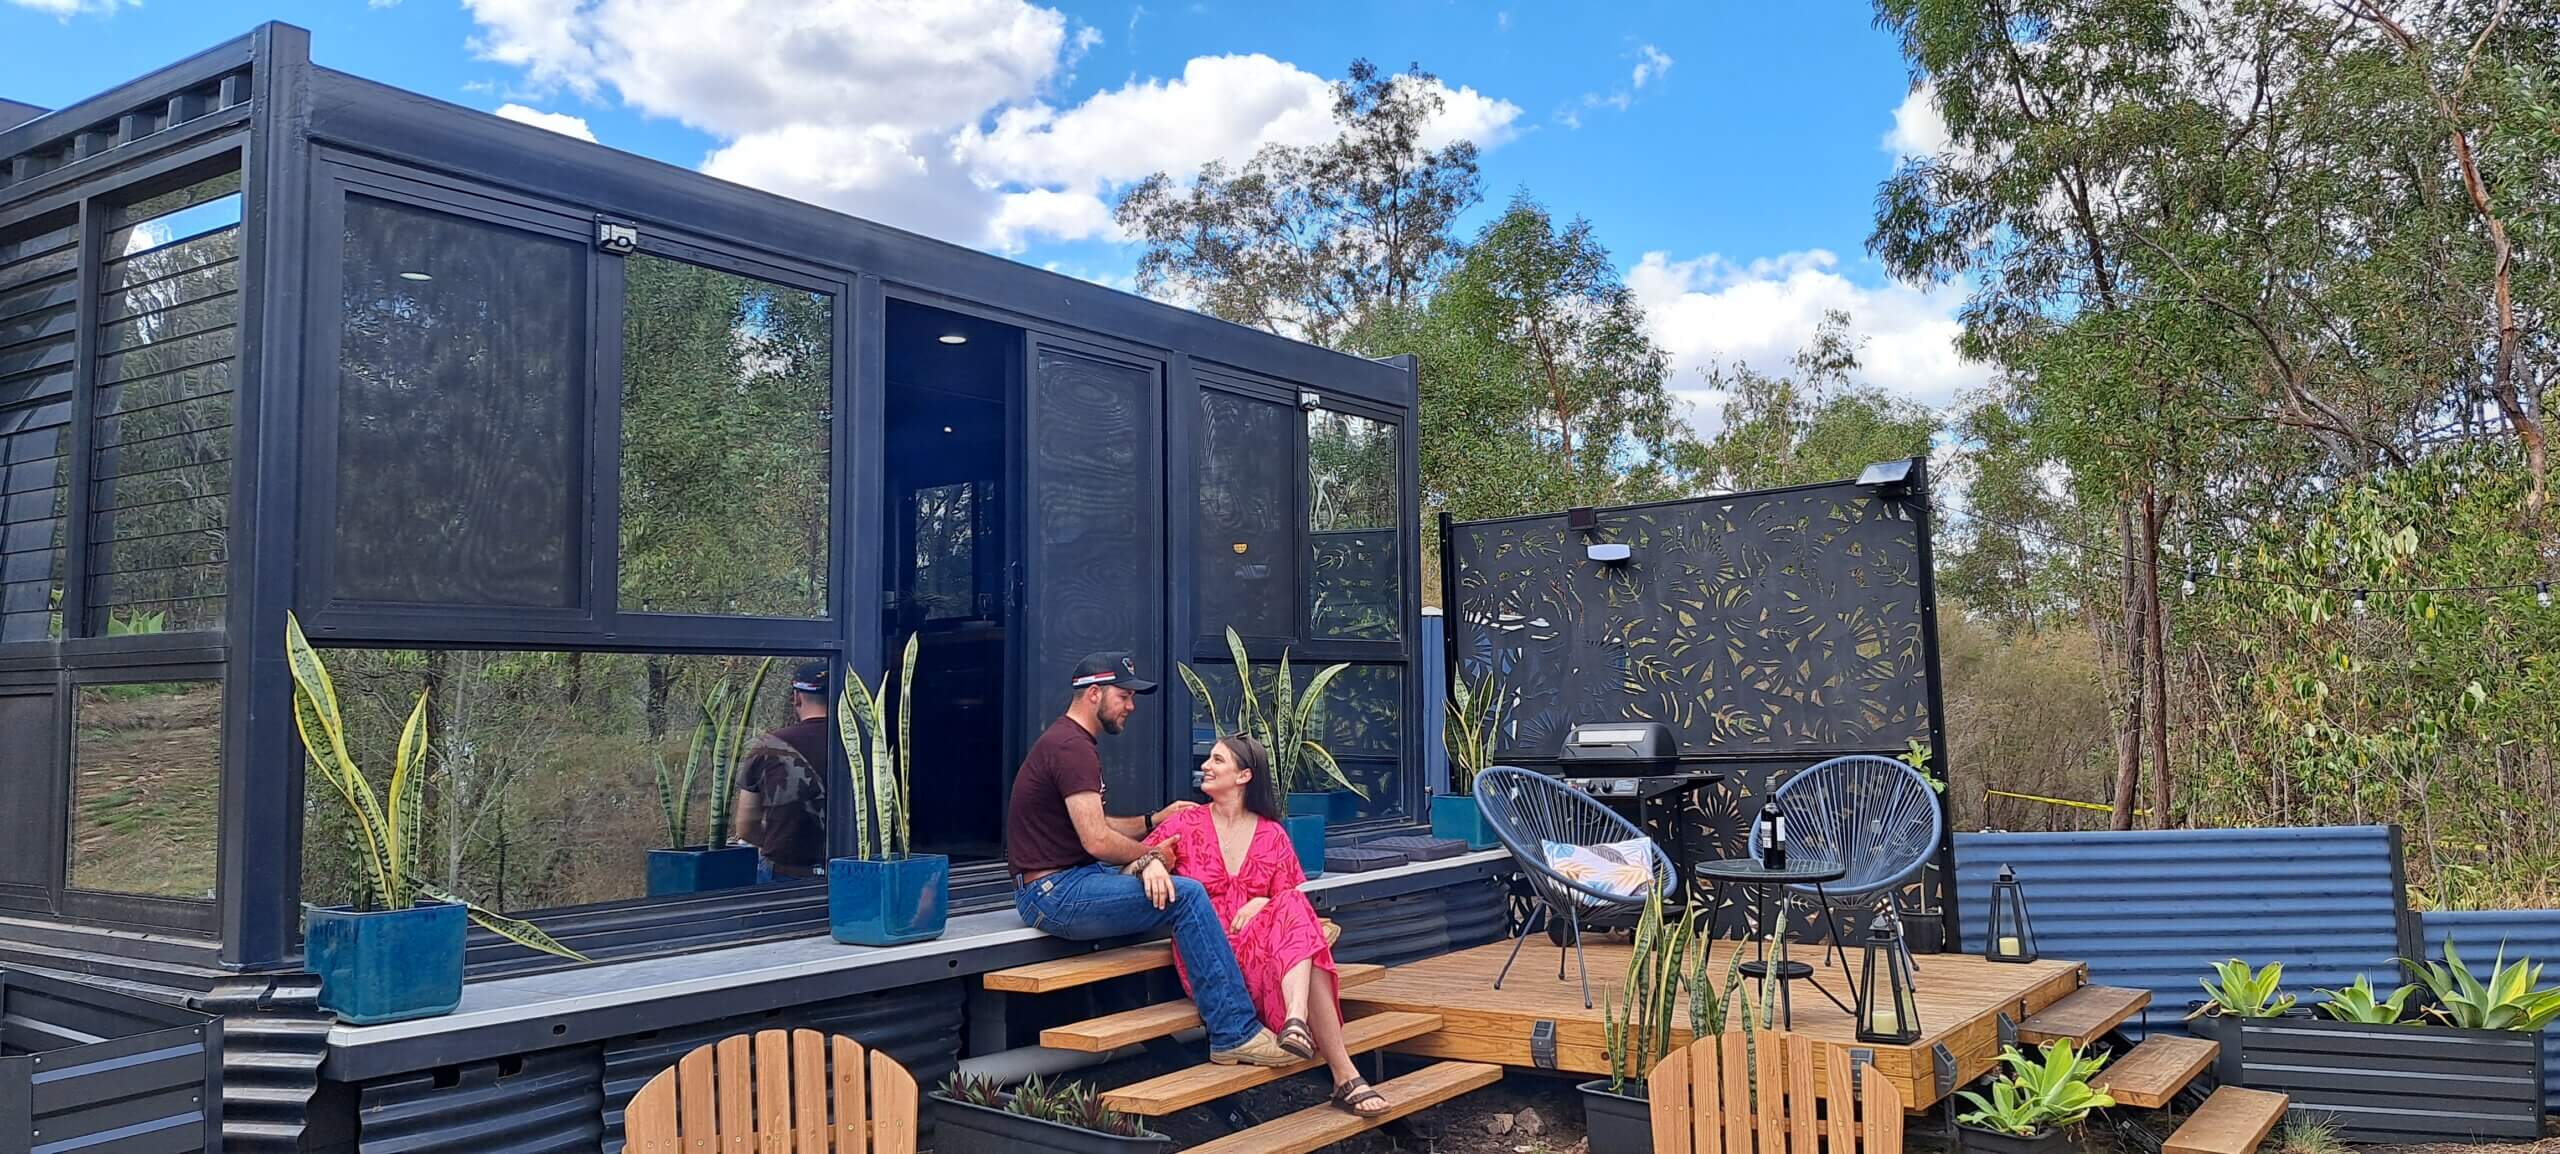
[1282, 935]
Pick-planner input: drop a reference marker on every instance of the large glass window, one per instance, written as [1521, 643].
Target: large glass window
[1248, 554]
[726, 390]
[461, 415]
[946, 530]
[1355, 589]
[168, 334]
[145, 768]
[39, 291]
[545, 767]
[1362, 723]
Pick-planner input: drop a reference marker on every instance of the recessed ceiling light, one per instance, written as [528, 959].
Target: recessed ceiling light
[414, 274]
[954, 338]
[946, 428]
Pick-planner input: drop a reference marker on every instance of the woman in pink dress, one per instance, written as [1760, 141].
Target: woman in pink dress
[1236, 849]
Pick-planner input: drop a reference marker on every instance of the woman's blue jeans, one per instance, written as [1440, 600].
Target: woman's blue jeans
[1098, 901]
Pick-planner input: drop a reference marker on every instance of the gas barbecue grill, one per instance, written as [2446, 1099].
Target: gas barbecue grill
[1634, 767]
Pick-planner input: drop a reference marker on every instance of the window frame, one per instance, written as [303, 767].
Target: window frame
[138, 911]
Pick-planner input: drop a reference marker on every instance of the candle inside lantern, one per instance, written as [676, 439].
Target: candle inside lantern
[2009, 946]
[1884, 1021]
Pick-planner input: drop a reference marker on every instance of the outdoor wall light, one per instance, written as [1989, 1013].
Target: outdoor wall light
[1888, 1012]
[2013, 934]
[1609, 553]
[953, 338]
[1310, 401]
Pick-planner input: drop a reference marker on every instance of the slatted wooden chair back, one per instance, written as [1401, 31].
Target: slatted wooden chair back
[1802, 1097]
[773, 1092]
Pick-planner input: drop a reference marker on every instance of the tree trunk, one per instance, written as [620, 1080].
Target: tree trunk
[2129, 720]
[662, 682]
[2155, 629]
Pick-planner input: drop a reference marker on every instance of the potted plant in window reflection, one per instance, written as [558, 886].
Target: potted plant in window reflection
[397, 954]
[1473, 722]
[886, 895]
[690, 865]
[1291, 729]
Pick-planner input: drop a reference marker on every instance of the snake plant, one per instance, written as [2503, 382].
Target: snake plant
[1472, 725]
[1292, 728]
[2357, 1004]
[1637, 1028]
[387, 833]
[2512, 998]
[2236, 991]
[718, 745]
[2039, 1093]
[878, 765]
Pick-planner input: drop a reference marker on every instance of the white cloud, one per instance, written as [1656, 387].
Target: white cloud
[1709, 309]
[381, 3]
[560, 122]
[1051, 213]
[1918, 130]
[1651, 63]
[67, 9]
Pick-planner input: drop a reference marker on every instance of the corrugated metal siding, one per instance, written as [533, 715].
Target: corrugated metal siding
[2155, 909]
[1394, 931]
[520, 1104]
[917, 1025]
[2481, 934]
[273, 1037]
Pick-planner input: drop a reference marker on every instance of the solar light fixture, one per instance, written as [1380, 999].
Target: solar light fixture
[1888, 1012]
[2013, 934]
[1888, 478]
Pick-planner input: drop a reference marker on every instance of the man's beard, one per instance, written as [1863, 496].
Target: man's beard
[1111, 725]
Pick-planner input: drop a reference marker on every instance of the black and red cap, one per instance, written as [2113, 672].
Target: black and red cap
[1110, 668]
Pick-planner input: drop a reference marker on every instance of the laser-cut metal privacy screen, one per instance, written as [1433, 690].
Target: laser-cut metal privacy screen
[1769, 630]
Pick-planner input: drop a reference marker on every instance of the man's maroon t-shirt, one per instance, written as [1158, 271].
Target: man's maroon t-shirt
[1038, 834]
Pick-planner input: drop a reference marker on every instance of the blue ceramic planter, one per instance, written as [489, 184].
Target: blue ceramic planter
[1339, 806]
[1306, 835]
[694, 869]
[888, 903]
[386, 965]
[1456, 816]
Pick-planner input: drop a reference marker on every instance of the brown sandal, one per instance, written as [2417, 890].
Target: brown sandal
[1295, 1039]
[1350, 1096]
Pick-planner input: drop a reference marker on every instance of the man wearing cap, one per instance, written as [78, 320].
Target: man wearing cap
[1067, 858]
[781, 806]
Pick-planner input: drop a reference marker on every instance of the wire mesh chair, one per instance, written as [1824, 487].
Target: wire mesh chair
[1876, 817]
[1527, 809]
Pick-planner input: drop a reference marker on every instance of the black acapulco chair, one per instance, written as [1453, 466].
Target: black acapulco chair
[1528, 809]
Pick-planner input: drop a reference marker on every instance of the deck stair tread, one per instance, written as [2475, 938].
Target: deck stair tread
[2153, 1072]
[1322, 1126]
[2231, 1121]
[1146, 1023]
[1098, 966]
[1208, 1082]
[2083, 1016]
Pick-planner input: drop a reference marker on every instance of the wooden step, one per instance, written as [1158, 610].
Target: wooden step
[2231, 1121]
[1318, 1127]
[2084, 1015]
[2153, 1072]
[1098, 966]
[1208, 1082]
[1130, 1027]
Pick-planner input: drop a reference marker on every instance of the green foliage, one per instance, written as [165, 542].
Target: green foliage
[1291, 727]
[1812, 425]
[385, 824]
[718, 746]
[2357, 1004]
[1071, 1104]
[2512, 998]
[974, 1089]
[2038, 1093]
[1668, 956]
[1472, 726]
[2237, 991]
[2310, 1134]
[877, 764]
[135, 624]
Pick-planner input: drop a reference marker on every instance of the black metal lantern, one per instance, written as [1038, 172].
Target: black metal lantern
[2013, 934]
[1887, 1010]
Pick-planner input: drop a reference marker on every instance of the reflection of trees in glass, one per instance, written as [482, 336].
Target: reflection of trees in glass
[1354, 591]
[946, 531]
[168, 311]
[545, 791]
[461, 414]
[145, 761]
[39, 269]
[725, 408]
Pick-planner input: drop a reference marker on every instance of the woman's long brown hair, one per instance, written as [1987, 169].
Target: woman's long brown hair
[1251, 756]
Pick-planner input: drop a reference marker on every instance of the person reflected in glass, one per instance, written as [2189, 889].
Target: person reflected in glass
[1237, 850]
[781, 804]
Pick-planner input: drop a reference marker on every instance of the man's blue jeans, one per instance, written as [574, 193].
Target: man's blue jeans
[1098, 901]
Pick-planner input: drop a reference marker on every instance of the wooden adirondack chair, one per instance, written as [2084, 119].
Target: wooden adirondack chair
[776, 1093]
[1704, 1100]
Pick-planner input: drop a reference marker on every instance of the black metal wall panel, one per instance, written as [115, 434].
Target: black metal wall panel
[29, 780]
[917, 1025]
[274, 1035]
[1397, 930]
[521, 1104]
[91, 1069]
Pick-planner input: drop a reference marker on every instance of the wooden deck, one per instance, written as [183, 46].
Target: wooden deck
[1959, 995]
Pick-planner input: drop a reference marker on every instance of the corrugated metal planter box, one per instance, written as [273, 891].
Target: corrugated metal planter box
[2398, 1083]
[967, 1128]
[99, 1072]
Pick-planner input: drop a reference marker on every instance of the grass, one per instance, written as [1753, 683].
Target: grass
[2309, 1136]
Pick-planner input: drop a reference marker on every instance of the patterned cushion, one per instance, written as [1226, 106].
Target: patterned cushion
[1622, 869]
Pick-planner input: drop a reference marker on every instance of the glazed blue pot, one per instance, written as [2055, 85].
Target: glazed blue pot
[386, 965]
[1456, 816]
[694, 869]
[888, 903]
[1306, 835]
[1339, 806]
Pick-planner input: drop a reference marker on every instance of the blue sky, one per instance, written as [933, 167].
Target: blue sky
[1727, 153]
